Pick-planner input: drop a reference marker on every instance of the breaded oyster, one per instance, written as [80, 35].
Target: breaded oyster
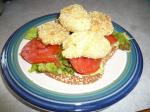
[100, 22]
[87, 44]
[75, 18]
[52, 33]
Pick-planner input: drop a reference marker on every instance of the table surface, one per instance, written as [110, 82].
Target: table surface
[133, 15]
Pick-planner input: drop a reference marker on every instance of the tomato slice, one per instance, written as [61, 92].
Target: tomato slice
[36, 52]
[85, 65]
[111, 39]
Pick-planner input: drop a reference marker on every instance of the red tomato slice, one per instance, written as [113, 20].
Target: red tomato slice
[36, 52]
[85, 65]
[111, 39]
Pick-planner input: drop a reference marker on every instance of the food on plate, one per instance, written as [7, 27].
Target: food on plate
[124, 43]
[75, 47]
[61, 66]
[37, 52]
[83, 65]
[101, 22]
[52, 33]
[75, 18]
[86, 44]
[111, 39]
[31, 33]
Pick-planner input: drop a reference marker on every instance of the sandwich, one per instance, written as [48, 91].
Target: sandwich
[75, 47]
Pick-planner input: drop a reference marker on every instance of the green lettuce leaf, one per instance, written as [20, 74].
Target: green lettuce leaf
[123, 39]
[31, 33]
[64, 68]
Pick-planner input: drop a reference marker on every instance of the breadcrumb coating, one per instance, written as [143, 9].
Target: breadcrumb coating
[52, 33]
[87, 44]
[101, 22]
[75, 18]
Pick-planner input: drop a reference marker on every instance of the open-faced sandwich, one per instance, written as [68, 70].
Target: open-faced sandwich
[75, 47]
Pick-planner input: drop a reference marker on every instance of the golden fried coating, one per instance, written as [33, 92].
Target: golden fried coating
[52, 33]
[75, 18]
[100, 22]
[87, 44]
